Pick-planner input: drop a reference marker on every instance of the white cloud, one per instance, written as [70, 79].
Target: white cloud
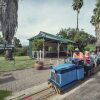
[50, 16]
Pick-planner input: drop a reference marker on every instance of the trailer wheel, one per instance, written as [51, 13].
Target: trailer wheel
[55, 88]
[59, 91]
[50, 85]
[48, 82]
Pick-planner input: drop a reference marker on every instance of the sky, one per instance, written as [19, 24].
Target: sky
[50, 16]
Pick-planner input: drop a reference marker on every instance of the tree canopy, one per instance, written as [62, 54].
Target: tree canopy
[77, 4]
[8, 23]
[37, 44]
[8, 18]
[82, 38]
[95, 19]
[17, 43]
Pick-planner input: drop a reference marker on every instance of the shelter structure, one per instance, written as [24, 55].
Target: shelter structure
[49, 40]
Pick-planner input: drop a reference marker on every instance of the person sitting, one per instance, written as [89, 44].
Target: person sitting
[69, 54]
[87, 59]
[98, 52]
[94, 58]
[78, 54]
[87, 63]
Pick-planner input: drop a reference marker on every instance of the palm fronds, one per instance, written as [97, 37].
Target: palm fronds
[8, 19]
[77, 4]
[95, 19]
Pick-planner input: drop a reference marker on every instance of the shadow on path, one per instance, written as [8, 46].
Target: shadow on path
[7, 79]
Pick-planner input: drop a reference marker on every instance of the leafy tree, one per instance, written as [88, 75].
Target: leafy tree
[77, 5]
[37, 44]
[8, 20]
[21, 51]
[70, 47]
[67, 33]
[95, 20]
[82, 38]
[17, 43]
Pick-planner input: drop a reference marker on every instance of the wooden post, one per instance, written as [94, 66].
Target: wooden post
[40, 54]
[33, 54]
[58, 53]
[43, 49]
[37, 53]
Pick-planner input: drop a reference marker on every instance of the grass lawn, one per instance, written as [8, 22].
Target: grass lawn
[20, 63]
[4, 94]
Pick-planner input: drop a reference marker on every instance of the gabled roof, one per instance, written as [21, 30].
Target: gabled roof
[50, 37]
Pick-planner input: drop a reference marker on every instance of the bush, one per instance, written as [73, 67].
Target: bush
[70, 47]
[87, 49]
[90, 47]
[20, 52]
[2, 52]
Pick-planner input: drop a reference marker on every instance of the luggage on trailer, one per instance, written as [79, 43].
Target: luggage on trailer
[93, 67]
[98, 61]
[74, 61]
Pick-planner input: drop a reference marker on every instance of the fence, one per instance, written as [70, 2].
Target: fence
[37, 54]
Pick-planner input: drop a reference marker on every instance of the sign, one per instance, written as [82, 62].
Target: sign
[3, 46]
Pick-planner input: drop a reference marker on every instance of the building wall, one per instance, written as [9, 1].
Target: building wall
[30, 48]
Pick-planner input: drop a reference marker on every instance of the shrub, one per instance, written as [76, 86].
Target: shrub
[70, 47]
[2, 52]
[20, 51]
[87, 49]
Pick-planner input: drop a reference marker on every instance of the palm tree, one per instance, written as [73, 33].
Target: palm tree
[77, 5]
[95, 20]
[8, 20]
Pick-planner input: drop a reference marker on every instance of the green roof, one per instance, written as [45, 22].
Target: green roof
[50, 37]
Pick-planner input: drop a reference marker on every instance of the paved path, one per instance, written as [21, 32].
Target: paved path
[88, 89]
[22, 79]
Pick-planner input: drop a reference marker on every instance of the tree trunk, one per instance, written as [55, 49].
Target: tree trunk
[97, 30]
[77, 29]
[9, 54]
